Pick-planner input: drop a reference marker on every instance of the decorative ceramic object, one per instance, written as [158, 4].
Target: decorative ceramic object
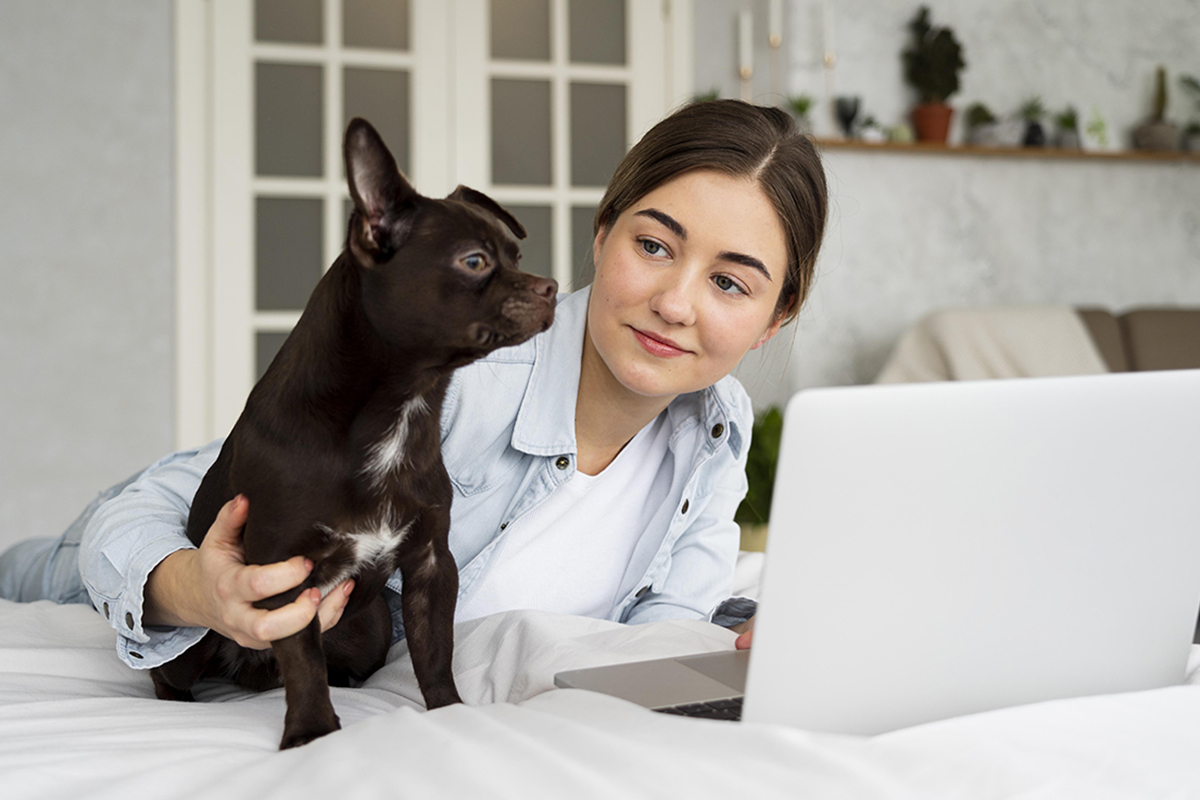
[901, 133]
[846, 109]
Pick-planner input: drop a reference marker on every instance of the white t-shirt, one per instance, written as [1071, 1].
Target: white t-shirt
[568, 554]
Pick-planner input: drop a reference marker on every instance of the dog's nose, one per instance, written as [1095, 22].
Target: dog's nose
[544, 287]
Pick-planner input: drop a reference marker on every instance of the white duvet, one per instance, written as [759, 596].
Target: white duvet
[75, 722]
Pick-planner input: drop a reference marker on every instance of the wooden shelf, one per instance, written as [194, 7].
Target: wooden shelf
[926, 148]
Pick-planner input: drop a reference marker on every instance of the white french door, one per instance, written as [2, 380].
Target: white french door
[531, 101]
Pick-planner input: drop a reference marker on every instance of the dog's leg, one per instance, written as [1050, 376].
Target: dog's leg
[427, 601]
[305, 679]
[357, 647]
[174, 680]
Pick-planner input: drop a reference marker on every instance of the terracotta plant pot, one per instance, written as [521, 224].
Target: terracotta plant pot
[932, 122]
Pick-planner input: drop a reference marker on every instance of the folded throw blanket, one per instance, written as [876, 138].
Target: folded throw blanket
[1000, 342]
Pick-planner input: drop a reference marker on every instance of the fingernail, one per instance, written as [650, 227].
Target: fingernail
[315, 594]
[349, 588]
[308, 565]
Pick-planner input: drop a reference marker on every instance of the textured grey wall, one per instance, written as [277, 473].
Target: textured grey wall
[910, 233]
[86, 254]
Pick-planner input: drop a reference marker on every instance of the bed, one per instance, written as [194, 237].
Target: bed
[75, 722]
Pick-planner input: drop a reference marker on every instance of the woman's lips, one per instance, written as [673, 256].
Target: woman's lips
[656, 346]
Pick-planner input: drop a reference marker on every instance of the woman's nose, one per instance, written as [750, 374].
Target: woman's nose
[675, 302]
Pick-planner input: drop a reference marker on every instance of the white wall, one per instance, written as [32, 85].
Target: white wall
[909, 233]
[86, 254]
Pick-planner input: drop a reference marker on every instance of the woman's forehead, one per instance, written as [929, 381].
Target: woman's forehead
[714, 208]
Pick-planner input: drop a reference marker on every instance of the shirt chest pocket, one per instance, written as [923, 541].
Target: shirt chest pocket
[475, 469]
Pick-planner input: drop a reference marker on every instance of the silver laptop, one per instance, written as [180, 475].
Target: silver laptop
[944, 549]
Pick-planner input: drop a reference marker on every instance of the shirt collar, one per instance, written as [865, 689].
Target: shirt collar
[545, 423]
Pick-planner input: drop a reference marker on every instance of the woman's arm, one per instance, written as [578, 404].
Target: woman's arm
[160, 593]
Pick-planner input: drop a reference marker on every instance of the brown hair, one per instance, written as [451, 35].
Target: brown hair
[741, 140]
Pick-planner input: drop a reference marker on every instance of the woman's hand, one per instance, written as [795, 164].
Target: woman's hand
[745, 631]
[213, 587]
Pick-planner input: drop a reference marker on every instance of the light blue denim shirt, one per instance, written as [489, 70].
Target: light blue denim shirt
[508, 440]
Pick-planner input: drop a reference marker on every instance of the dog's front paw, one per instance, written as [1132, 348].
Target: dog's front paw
[298, 732]
[437, 698]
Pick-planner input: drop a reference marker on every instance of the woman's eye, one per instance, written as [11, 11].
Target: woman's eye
[728, 284]
[475, 262]
[651, 247]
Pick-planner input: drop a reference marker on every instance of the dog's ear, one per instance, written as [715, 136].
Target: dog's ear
[465, 194]
[382, 196]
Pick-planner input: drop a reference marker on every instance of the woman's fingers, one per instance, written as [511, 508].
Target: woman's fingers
[334, 604]
[260, 581]
[264, 627]
[226, 529]
[743, 640]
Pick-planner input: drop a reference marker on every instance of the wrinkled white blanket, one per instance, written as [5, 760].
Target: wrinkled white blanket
[75, 722]
[993, 342]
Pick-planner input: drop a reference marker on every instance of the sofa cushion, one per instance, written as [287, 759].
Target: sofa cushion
[1162, 338]
[1106, 335]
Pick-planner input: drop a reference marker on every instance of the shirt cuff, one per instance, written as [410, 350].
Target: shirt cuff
[138, 646]
[734, 611]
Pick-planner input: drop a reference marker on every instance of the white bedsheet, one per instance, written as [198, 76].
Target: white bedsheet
[75, 722]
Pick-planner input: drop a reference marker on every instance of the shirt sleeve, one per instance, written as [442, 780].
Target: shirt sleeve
[700, 578]
[128, 537]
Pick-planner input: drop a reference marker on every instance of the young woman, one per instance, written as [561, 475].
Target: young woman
[596, 468]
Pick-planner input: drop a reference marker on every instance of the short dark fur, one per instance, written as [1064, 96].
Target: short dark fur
[400, 309]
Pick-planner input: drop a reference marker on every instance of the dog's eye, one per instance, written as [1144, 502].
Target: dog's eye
[476, 262]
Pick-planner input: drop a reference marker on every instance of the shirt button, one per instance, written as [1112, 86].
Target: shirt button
[563, 462]
[685, 507]
[128, 620]
[641, 591]
[717, 430]
[106, 610]
[503, 525]
[135, 655]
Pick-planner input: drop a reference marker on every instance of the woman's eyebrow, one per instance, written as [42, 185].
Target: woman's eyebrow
[749, 261]
[666, 219]
[673, 225]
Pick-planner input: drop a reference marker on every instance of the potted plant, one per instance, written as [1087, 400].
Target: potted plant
[1068, 128]
[872, 130]
[1191, 133]
[800, 105]
[981, 125]
[755, 510]
[1032, 111]
[931, 66]
[1156, 133]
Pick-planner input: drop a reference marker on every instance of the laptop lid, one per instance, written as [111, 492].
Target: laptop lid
[943, 549]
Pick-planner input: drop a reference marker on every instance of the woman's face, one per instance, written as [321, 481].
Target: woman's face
[686, 283]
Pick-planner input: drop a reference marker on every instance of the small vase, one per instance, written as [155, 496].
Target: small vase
[1068, 139]
[1035, 134]
[1156, 136]
[932, 122]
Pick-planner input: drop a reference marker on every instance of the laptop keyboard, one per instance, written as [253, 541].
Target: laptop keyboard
[717, 709]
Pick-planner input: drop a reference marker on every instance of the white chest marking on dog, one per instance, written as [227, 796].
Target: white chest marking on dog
[371, 544]
[388, 453]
